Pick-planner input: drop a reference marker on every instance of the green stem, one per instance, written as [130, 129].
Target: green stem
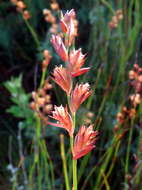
[34, 35]
[62, 148]
[42, 78]
[108, 6]
[128, 151]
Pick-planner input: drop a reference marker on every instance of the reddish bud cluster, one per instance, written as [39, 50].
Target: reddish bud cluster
[41, 103]
[126, 114]
[116, 19]
[46, 60]
[21, 8]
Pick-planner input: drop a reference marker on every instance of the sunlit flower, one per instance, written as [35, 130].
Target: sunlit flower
[79, 95]
[84, 141]
[63, 117]
[76, 61]
[68, 26]
[63, 78]
[59, 47]
[68, 16]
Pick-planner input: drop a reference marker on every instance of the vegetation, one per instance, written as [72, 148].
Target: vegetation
[35, 40]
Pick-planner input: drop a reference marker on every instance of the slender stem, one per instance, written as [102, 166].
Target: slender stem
[74, 162]
[42, 78]
[34, 35]
[62, 148]
[128, 151]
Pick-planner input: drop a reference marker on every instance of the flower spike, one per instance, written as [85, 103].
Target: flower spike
[76, 61]
[79, 95]
[63, 78]
[59, 47]
[84, 141]
[61, 114]
[68, 26]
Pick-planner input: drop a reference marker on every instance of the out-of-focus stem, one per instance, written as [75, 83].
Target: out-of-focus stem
[42, 78]
[62, 148]
[34, 35]
[128, 151]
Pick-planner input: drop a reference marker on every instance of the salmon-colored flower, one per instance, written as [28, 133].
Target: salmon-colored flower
[68, 16]
[76, 61]
[63, 78]
[79, 95]
[59, 47]
[68, 26]
[61, 114]
[84, 141]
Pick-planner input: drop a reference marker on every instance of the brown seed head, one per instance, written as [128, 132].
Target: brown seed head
[47, 108]
[47, 98]
[26, 15]
[132, 113]
[132, 74]
[14, 1]
[90, 115]
[115, 19]
[40, 101]
[21, 4]
[46, 12]
[33, 105]
[54, 6]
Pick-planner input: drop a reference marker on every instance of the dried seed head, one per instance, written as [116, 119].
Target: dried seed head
[46, 53]
[119, 12]
[40, 101]
[42, 92]
[47, 86]
[120, 117]
[120, 17]
[87, 121]
[132, 74]
[47, 108]
[46, 12]
[124, 109]
[47, 98]
[33, 105]
[132, 113]
[116, 128]
[21, 4]
[54, 6]
[34, 94]
[115, 19]
[135, 98]
[26, 15]
[90, 115]
[14, 1]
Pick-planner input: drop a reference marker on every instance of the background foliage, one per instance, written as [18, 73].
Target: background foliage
[111, 54]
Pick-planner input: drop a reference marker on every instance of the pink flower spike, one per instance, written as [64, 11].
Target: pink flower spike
[63, 78]
[79, 95]
[84, 141]
[68, 16]
[80, 72]
[63, 117]
[76, 61]
[59, 47]
[63, 26]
